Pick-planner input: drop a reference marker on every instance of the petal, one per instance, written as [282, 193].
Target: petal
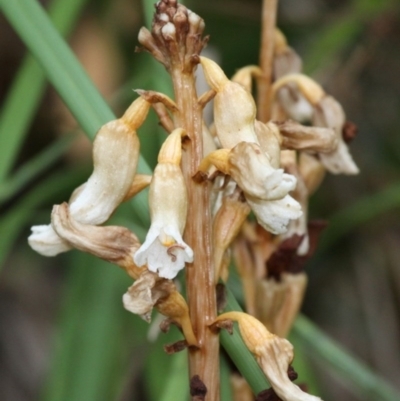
[274, 215]
[251, 169]
[167, 261]
[45, 241]
[139, 301]
[140, 257]
[340, 161]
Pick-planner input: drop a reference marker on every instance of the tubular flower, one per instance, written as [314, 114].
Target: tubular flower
[164, 250]
[265, 188]
[273, 354]
[234, 107]
[115, 157]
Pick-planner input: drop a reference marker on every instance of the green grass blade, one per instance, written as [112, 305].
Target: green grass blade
[87, 361]
[360, 379]
[28, 87]
[62, 68]
[65, 73]
[15, 219]
[176, 387]
[34, 167]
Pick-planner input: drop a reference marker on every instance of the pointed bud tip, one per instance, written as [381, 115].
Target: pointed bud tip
[213, 73]
[136, 113]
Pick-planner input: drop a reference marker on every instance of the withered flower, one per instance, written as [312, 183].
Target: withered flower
[304, 100]
[273, 354]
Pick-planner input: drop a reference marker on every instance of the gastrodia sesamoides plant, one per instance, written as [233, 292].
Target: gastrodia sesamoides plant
[233, 190]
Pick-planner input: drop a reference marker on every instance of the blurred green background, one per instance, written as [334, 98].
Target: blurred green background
[63, 332]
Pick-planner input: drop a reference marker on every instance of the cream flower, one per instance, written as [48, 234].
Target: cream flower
[234, 107]
[265, 188]
[115, 156]
[164, 250]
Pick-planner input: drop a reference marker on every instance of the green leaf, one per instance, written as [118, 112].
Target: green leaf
[89, 359]
[360, 380]
[15, 219]
[34, 167]
[28, 87]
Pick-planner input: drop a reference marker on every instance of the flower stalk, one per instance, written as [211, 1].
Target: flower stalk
[269, 9]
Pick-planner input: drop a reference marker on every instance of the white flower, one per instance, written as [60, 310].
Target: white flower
[164, 250]
[115, 156]
[265, 188]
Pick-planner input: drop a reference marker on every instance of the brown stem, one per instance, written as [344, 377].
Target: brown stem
[266, 59]
[204, 361]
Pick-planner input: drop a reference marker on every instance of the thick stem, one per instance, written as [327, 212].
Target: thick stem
[266, 59]
[203, 362]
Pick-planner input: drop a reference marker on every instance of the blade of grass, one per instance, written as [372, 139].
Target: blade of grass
[360, 379]
[28, 87]
[176, 387]
[15, 219]
[88, 355]
[66, 74]
[62, 68]
[34, 167]
[158, 362]
[226, 388]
